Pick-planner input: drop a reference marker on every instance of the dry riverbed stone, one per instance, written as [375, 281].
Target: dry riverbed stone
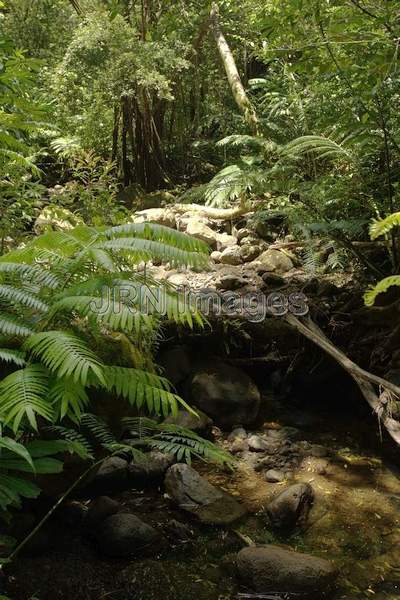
[197, 496]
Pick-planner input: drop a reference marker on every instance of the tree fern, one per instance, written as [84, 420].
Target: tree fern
[12, 356]
[320, 146]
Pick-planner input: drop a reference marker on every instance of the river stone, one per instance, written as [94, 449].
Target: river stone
[197, 496]
[111, 476]
[224, 240]
[150, 471]
[200, 423]
[100, 509]
[160, 216]
[274, 569]
[225, 393]
[176, 363]
[273, 476]
[248, 253]
[291, 506]
[230, 282]
[124, 534]
[231, 256]
[201, 231]
[274, 260]
[257, 444]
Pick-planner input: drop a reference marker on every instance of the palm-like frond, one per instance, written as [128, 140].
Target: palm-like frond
[319, 146]
[65, 354]
[381, 288]
[23, 395]
[12, 294]
[13, 326]
[12, 356]
[381, 227]
[68, 398]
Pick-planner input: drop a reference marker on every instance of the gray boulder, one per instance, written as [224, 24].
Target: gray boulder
[122, 535]
[225, 393]
[99, 510]
[197, 496]
[291, 507]
[231, 256]
[271, 568]
[150, 471]
[274, 260]
[112, 476]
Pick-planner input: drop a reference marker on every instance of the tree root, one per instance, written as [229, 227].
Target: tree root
[379, 402]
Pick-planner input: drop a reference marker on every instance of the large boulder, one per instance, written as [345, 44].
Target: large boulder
[291, 507]
[112, 476]
[124, 534]
[274, 260]
[271, 568]
[197, 496]
[176, 362]
[225, 393]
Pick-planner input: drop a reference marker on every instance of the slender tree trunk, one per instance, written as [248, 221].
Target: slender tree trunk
[238, 91]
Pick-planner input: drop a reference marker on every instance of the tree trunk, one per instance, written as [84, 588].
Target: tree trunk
[238, 91]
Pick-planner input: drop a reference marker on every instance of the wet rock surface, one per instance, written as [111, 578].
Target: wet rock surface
[122, 535]
[274, 569]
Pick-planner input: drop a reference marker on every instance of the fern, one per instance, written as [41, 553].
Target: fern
[65, 354]
[381, 227]
[381, 288]
[321, 147]
[13, 356]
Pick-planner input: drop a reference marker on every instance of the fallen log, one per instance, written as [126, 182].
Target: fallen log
[379, 401]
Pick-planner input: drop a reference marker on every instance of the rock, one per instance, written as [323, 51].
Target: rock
[248, 253]
[111, 476]
[161, 216]
[230, 282]
[100, 509]
[225, 393]
[273, 476]
[237, 433]
[252, 240]
[178, 532]
[274, 260]
[151, 471]
[201, 424]
[176, 363]
[201, 231]
[239, 446]
[242, 233]
[257, 444]
[272, 280]
[291, 507]
[216, 256]
[231, 256]
[178, 279]
[196, 495]
[123, 535]
[271, 568]
[318, 451]
[224, 240]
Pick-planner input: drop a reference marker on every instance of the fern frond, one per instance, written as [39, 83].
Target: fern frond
[65, 354]
[32, 273]
[13, 326]
[13, 294]
[381, 227]
[143, 390]
[159, 233]
[12, 356]
[23, 394]
[98, 429]
[69, 398]
[320, 146]
[76, 441]
[381, 288]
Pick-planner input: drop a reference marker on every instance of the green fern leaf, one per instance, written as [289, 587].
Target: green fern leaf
[23, 394]
[12, 326]
[381, 227]
[12, 356]
[65, 354]
[13, 294]
[381, 288]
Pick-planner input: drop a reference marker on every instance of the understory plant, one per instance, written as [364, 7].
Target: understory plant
[77, 315]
